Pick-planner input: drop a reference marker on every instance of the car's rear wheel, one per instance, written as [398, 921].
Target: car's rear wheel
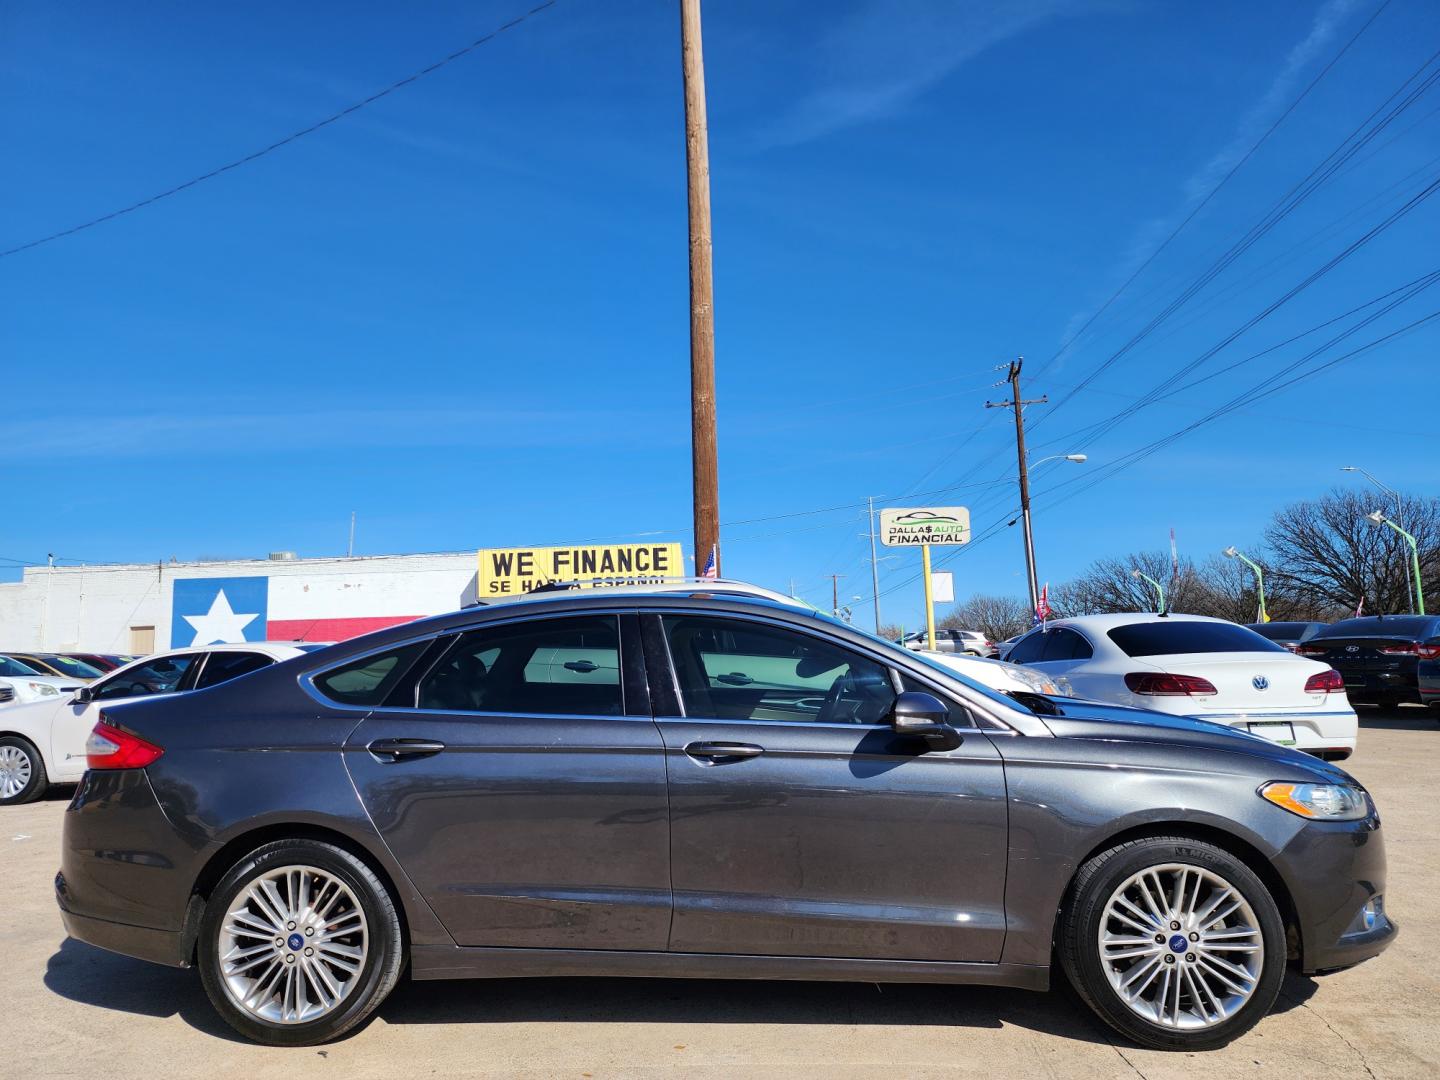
[22, 771]
[300, 942]
[1175, 943]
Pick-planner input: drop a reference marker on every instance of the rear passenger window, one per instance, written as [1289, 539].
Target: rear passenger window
[367, 680]
[1062, 644]
[550, 667]
[1026, 650]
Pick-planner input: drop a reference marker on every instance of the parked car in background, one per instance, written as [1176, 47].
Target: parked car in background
[952, 641]
[21, 683]
[102, 661]
[57, 664]
[1290, 634]
[427, 801]
[1007, 678]
[1003, 648]
[44, 742]
[1378, 655]
[1191, 665]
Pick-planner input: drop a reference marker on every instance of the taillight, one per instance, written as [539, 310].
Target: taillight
[1311, 650]
[1328, 681]
[1163, 684]
[1402, 648]
[110, 748]
[1428, 652]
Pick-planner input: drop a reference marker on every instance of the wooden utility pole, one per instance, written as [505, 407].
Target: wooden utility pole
[1019, 406]
[703, 455]
[835, 593]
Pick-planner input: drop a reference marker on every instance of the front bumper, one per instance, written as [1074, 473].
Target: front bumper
[1333, 871]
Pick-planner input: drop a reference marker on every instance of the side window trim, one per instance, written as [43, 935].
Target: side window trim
[191, 678]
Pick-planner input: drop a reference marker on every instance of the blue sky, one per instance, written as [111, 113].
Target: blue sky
[462, 311]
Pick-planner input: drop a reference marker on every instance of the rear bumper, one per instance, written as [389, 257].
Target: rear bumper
[170, 947]
[1330, 732]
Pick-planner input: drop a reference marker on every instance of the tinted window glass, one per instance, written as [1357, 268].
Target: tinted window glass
[1411, 626]
[15, 667]
[550, 667]
[1026, 650]
[1063, 644]
[159, 676]
[730, 669]
[224, 666]
[367, 680]
[1165, 638]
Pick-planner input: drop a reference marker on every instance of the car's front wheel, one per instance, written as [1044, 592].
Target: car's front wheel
[1175, 943]
[22, 771]
[300, 942]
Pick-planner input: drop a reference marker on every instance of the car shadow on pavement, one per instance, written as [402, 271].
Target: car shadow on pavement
[91, 976]
[105, 980]
[1399, 717]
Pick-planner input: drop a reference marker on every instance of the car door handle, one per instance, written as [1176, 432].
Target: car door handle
[720, 753]
[582, 666]
[399, 749]
[735, 678]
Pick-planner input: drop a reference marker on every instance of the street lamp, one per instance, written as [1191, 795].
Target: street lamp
[1379, 518]
[1159, 589]
[1409, 588]
[1034, 578]
[1232, 553]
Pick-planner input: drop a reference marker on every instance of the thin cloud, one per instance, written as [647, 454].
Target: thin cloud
[873, 62]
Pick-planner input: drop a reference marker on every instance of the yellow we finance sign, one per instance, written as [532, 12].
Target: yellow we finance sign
[512, 571]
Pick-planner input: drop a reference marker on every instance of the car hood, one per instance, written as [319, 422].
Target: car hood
[1080, 719]
[60, 682]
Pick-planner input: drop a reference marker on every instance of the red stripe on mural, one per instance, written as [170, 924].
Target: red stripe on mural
[330, 629]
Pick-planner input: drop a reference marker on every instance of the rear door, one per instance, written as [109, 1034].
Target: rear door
[800, 824]
[519, 779]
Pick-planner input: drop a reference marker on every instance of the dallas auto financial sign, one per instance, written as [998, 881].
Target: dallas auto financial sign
[911, 527]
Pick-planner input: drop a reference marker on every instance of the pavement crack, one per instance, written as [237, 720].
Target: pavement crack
[1127, 1061]
[1336, 1032]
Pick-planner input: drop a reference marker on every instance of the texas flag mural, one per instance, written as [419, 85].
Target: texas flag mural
[232, 609]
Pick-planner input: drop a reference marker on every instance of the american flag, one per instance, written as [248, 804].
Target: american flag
[711, 570]
[1042, 606]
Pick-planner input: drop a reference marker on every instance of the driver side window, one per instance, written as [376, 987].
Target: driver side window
[159, 676]
[733, 669]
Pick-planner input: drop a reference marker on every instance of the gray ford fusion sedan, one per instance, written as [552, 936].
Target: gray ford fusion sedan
[708, 787]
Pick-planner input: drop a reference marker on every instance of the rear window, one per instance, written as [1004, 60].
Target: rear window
[1408, 626]
[1166, 638]
[368, 680]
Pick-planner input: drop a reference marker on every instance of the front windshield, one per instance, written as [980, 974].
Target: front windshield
[76, 669]
[9, 666]
[937, 666]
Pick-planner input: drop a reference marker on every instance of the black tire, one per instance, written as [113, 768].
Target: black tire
[1080, 925]
[372, 984]
[38, 783]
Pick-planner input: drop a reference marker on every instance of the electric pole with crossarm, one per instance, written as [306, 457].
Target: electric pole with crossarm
[1019, 406]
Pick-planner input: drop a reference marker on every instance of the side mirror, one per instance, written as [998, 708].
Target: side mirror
[83, 696]
[924, 716]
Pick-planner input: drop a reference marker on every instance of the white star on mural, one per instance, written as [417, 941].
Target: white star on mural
[220, 623]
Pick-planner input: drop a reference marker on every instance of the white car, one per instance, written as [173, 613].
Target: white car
[963, 642]
[44, 742]
[20, 683]
[998, 675]
[1209, 669]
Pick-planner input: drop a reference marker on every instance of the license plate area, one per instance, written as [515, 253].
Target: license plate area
[1282, 733]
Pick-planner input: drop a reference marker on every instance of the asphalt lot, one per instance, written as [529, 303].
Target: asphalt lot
[73, 1010]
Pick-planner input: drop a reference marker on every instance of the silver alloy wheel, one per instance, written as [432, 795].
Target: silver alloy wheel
[1181, 946]
[15, 771]
[292, 945]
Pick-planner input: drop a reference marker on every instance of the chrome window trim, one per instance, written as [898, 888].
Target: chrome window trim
[305, 679]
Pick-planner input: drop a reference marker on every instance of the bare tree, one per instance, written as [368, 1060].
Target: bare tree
[997, 617]
[1328, 555]
[1109, 585]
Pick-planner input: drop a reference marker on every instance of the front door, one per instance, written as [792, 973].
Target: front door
[801, 825]
[521, 795]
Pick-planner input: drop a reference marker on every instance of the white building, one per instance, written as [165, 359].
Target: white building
[138, 608]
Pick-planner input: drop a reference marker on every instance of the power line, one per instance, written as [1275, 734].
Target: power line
[288, 139]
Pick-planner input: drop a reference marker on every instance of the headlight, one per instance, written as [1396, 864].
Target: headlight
[1320, 802]
[44, 689]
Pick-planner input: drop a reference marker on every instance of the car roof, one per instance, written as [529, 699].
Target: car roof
[279, 649]
[1109, 622]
